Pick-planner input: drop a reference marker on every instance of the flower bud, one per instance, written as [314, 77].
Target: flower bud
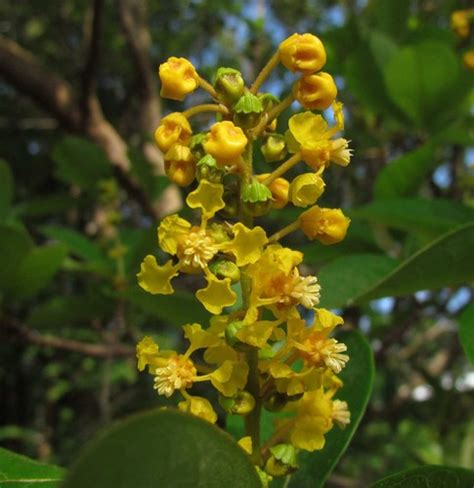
[240, 404]
[282, 460]
[174, 128]
[468, 59]
[327, 225]
[302, 52]
[460, 22]
[207, 169]
[315, 92]
[274, 148]
[248, 110]
[305, 189]
[229, 85]
[225, 143]
[180, 166]
[276, 402]
[178, 78]
[279, 188]
[226, 269]
[257, 198]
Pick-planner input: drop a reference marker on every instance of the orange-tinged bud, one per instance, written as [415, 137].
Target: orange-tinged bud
[172, 129]
[180, 165]
[279, 188]
[178, 78]
[302, 52]
[315, 92]
[226, 142]
[327, 225]
[460, 22]
[305, 189]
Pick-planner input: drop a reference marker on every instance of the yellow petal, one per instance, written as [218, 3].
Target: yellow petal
[218, 354]
[156, 279]
[247, 244]
[207, 197]
[256, 334]
[217, 294]
[200, 407]
[308, 433]
[307, 127]
[230, 377]
[246, 444]
[199, 338]
[171, 229]
[327, 319]
[147, 350]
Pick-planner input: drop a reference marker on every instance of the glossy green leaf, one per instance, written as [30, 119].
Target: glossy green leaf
[6, 189]
[404, 175]
[466, 331]
[36, 269]
[163, 449]
[345, 278]
[419, 76]
[429, 477]
[358, 378]
[177, 309]
[430, 217]
[15, 244]
[81, 162]
[18, 471]
[447, 261]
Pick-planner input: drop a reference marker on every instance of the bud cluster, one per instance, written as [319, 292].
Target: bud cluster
[266, 353]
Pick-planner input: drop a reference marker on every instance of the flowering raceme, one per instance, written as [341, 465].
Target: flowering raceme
[265, 353]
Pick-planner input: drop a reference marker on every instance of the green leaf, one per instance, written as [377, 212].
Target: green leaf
[81, 162]
[15, 243]
[419, 76]
[404, 175]
[163, 449]
[345, 278]
[36, 270]
[45, 205]
[429, 477]
[78, 244]
[18, 471]
[6, 189]
[466, 331]
[177, 309]
[358, 378]
[430, 217]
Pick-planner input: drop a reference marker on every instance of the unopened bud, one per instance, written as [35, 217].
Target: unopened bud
[206, 169]
[240, 404]
[257, 198]
[226, 269]
[305, 189]
[229, 85]
[276, 402]
[248, 110]
[282, 460]
[315, 92]
[279, 188]
[274, 148]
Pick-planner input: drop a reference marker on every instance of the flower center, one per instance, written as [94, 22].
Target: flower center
[180, 372]
[198, 249]
[325, 351]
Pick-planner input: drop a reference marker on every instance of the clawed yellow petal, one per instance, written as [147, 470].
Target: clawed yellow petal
[156, 279]
[217, 294]
[207, 197]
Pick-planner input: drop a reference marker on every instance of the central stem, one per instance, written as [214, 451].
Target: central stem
[252, 420]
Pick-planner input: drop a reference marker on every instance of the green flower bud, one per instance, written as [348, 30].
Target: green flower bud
[257, 198]
[276, 401]
[274, 148]
[226, 269]
[229, 85]
[282, 461]
[247, 110]
[240, 404]
[206, 169]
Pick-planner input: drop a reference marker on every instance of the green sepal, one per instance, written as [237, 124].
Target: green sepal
[248, 103]
[207, 160]
[256, 192]
[197, 140]
[268, 100]
[225, 71]
[285, 453]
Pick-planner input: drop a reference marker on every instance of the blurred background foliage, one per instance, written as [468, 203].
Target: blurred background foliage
[81, 190]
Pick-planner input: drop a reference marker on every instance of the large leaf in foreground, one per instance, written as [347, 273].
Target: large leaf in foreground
[358, 377]
[18, 471]
[163, 448]
[429, 477]
[466, 331]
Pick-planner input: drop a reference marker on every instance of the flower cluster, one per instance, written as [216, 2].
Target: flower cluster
[276, 350]
[461, 24]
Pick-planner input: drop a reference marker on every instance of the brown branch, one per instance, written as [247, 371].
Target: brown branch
[91, 67]
[86, 348]
[133, 19]
[27, 76]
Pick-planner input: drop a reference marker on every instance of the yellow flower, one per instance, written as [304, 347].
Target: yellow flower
[302, 52]
[171, 232]
[198, 406]
[313, 135]
[207, 197]
[217, 295]
[156, 279]
[226, 142]
[247, 244]
[178, 78]
[468, 59]
[178, 373]
[279, 188]
[327, 225]
[174, 128]
[305, 189]
[147, 351]
[230, 377]
[180, 165]
[316, 91]
[460, 22]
